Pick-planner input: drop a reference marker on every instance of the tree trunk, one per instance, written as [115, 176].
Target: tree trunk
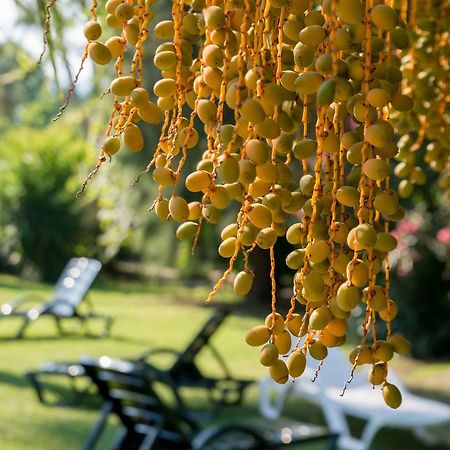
[260, 293]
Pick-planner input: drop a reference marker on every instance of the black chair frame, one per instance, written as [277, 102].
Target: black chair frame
[223, 391]
[150, 423]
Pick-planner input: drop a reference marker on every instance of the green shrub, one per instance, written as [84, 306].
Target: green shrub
[42, 222]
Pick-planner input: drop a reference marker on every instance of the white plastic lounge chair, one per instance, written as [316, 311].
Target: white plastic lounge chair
[360, 400]
[70, 290]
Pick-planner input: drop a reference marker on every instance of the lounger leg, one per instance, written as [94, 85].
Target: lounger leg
[337, 423]
[98, 428]
[59, 325]
[22, 329]
[149, 440]
[108, 325]
[369, 432]
[84, 325]
[37, 386]
[335, 418]
[272, 398]
[332, 442]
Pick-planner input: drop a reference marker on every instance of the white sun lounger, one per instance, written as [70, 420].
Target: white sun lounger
[360, 400]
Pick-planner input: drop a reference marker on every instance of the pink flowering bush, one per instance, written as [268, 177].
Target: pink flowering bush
[421, 280]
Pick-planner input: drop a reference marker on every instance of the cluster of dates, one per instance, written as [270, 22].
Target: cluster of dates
[300, 102]
[427, 125]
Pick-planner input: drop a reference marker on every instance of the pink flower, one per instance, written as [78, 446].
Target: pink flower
[402, 271]
[407, 227]
[443, 236]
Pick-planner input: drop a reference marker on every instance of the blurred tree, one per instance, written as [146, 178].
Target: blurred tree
[20, 78]
[45, 226]
[43, 165]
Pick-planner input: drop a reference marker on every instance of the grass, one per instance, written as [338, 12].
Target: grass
[148, 316]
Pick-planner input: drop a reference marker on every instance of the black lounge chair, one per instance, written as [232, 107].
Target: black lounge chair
[70, 290]
[184, 372]
[148, 421]
[224, 390]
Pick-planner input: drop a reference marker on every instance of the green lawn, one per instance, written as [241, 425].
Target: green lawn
[147, 316]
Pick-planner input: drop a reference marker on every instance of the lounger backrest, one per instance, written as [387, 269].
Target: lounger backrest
[202, 338]
[335, 370]
[74, 283]
[130, 388]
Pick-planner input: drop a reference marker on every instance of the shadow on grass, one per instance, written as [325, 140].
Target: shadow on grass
[72, 434]
[13, 379]
[433, 394]
[68, 337]
[73, 338]
[59, 391]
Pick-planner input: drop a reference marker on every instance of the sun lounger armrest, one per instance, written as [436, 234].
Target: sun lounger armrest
[10, 306]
